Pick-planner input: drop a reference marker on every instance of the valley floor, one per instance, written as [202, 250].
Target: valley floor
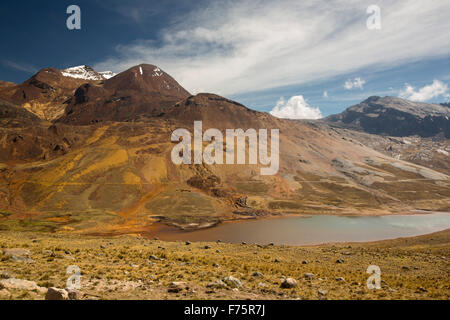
[130, 267]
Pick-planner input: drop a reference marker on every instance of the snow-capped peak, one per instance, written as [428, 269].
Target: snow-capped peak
[86, 73]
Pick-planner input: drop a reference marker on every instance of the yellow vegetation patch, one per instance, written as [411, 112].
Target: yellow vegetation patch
[131, 178]
[97, 135]
[44, 110]
[114, 159]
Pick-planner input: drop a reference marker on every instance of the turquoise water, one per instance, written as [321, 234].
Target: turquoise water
[319, 229]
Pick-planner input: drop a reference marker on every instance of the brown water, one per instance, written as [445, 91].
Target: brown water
[316, 229]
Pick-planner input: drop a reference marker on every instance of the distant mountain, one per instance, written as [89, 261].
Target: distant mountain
[144, 90]
[396, 117]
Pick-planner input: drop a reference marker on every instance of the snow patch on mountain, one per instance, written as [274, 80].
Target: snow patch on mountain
[157, 72]
[107, 74]
[86, 73]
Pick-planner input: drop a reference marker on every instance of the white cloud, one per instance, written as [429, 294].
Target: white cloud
[355, 83]
[436, 89]
[230, 47]
[325, 94]
[19, 66]
[295, 108]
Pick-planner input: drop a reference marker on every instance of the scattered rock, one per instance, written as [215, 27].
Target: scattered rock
[309, 276]
[19, 284]
[56, 294]
[304, 262]
[177, 286]
[17, 254]
[322, 292]
[152, 257]
[219, 284]
[340, 279]
[340, 261]
[289, 283]
[215, 265]
[207, 247]
[257, 274]
[276, 260]
[188, 243]
[74, 294]
[406, 268]
[262, 285]
[232, 282]
[48, 253]
[5, 275]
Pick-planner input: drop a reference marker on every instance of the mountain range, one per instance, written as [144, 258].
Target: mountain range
[398, 117]
[90, 152]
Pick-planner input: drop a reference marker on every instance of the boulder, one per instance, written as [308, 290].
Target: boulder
[288, 283]
[232, 282]
[56, 294]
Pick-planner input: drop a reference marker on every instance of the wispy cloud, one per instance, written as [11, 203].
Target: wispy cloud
[356, 83]
[295, 108]
[428, 92]
[231, 47]
[19, 66]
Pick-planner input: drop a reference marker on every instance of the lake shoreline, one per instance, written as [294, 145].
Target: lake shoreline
[169, 232]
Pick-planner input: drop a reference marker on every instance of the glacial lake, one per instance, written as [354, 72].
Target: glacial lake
[317, 229]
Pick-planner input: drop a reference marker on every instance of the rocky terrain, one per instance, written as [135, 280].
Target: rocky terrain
[35, 266]
[103, 166]
[432, 153]
[398, 117]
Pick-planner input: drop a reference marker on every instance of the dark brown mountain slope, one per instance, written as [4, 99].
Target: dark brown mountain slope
[141, 91]
[44, 94]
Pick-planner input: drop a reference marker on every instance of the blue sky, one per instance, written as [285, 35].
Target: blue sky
[255, 52]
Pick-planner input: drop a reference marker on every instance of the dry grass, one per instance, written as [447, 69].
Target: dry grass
[121, 267]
